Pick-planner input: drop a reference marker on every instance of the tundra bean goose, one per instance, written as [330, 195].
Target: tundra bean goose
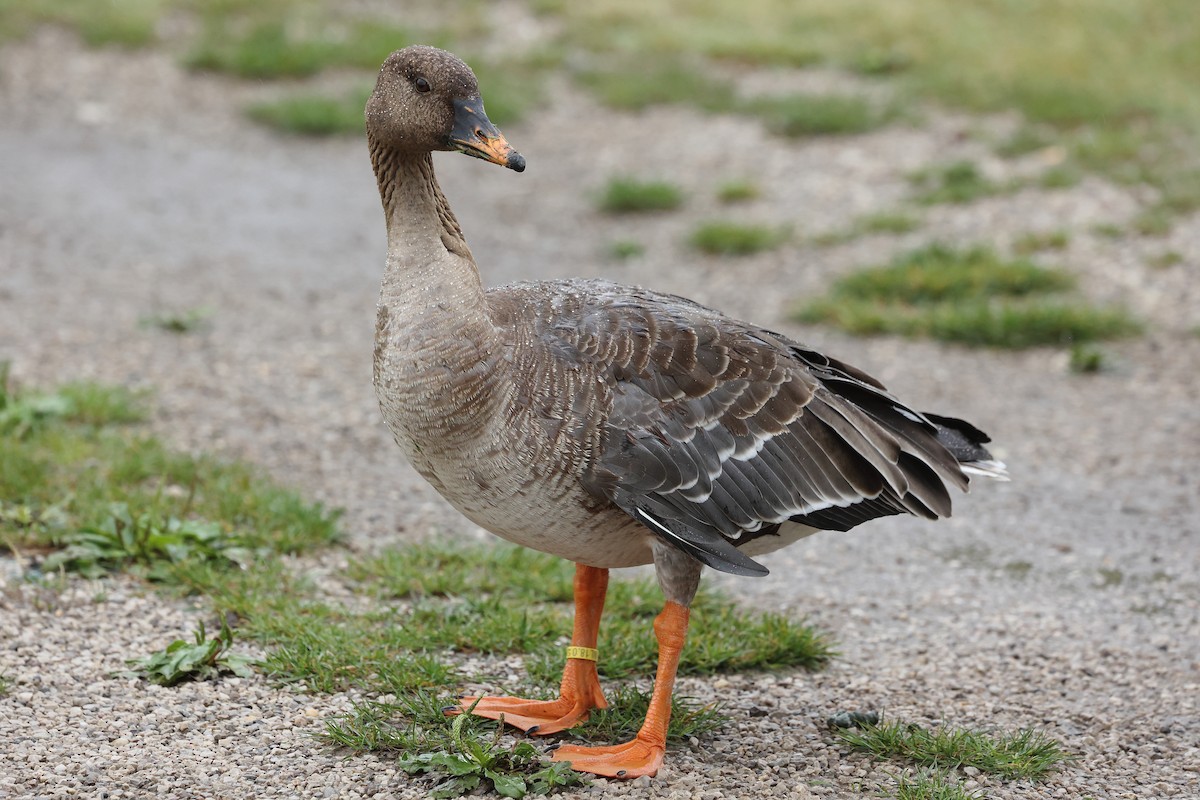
[613, 425]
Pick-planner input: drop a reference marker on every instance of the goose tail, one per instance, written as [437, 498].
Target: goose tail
[966, 443]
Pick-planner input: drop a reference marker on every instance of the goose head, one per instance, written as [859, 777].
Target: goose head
[427, 99]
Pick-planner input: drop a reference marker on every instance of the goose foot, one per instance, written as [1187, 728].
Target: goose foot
[580, 689]
[630, 760]
[539, 717]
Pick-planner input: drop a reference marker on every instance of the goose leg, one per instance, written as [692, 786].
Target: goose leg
[580, 690]
[644, 754]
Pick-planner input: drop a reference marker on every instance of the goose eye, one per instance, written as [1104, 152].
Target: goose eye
[422, 85]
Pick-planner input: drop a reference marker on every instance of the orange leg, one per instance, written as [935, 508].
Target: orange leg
[580, 691]
[643, 755]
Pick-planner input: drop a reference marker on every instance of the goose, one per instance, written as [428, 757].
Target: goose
[614, 425]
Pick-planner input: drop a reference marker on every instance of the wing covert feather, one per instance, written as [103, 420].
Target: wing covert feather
[716, 431]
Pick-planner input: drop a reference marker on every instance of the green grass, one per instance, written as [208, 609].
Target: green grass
[1165, 259]
[313, 114]
[1153, 221]
[1026, 754]
[1037, 242]
[970, 297]
[1027, 139]
[625, 249]
[738, 191]
[624, 195]
[885, 222]
[938, 274]
[75, 470]
[635, 84]
[931, 784]
[721, 238]
[520, 601]
[301, 44]
[1086, 359]
[1064, 176]
[627, 708]
[894, 222]
[956, 182]
[126, 23]
[818, 114]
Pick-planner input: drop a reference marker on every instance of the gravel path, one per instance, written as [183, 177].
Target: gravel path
[1067, 600]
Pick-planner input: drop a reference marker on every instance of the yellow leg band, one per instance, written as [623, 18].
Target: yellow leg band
[586, 653]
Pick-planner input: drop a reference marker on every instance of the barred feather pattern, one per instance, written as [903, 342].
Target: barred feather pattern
[715, 433]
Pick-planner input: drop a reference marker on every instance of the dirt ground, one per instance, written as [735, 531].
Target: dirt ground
[1067, 600]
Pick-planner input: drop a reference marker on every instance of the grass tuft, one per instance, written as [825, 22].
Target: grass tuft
[1154, 221]
[314, 114]
[971, 297]
[887, 222]
[1086, 359]
[625, 249]
[733, 239]
[938, 274]
[624, 195]
[1165, 259]
[931, 784]
[1025, 754]
[957, 182]
[1035, 242]
[739, 191]
[818, 114]
[443, 571]
[633, 85]
[292, 46]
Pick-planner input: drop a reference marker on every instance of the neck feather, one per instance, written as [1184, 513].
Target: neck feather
[437, 350]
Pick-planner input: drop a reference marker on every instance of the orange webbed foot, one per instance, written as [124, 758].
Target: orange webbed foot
[539, 717]
[630, 760]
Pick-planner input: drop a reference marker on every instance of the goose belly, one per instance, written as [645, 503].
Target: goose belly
[552, 514]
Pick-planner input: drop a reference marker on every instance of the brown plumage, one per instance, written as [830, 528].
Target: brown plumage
[614, 425]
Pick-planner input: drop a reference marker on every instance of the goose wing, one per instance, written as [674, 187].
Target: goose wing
[718, 432]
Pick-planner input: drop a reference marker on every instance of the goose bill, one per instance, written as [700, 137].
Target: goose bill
[475, 135]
